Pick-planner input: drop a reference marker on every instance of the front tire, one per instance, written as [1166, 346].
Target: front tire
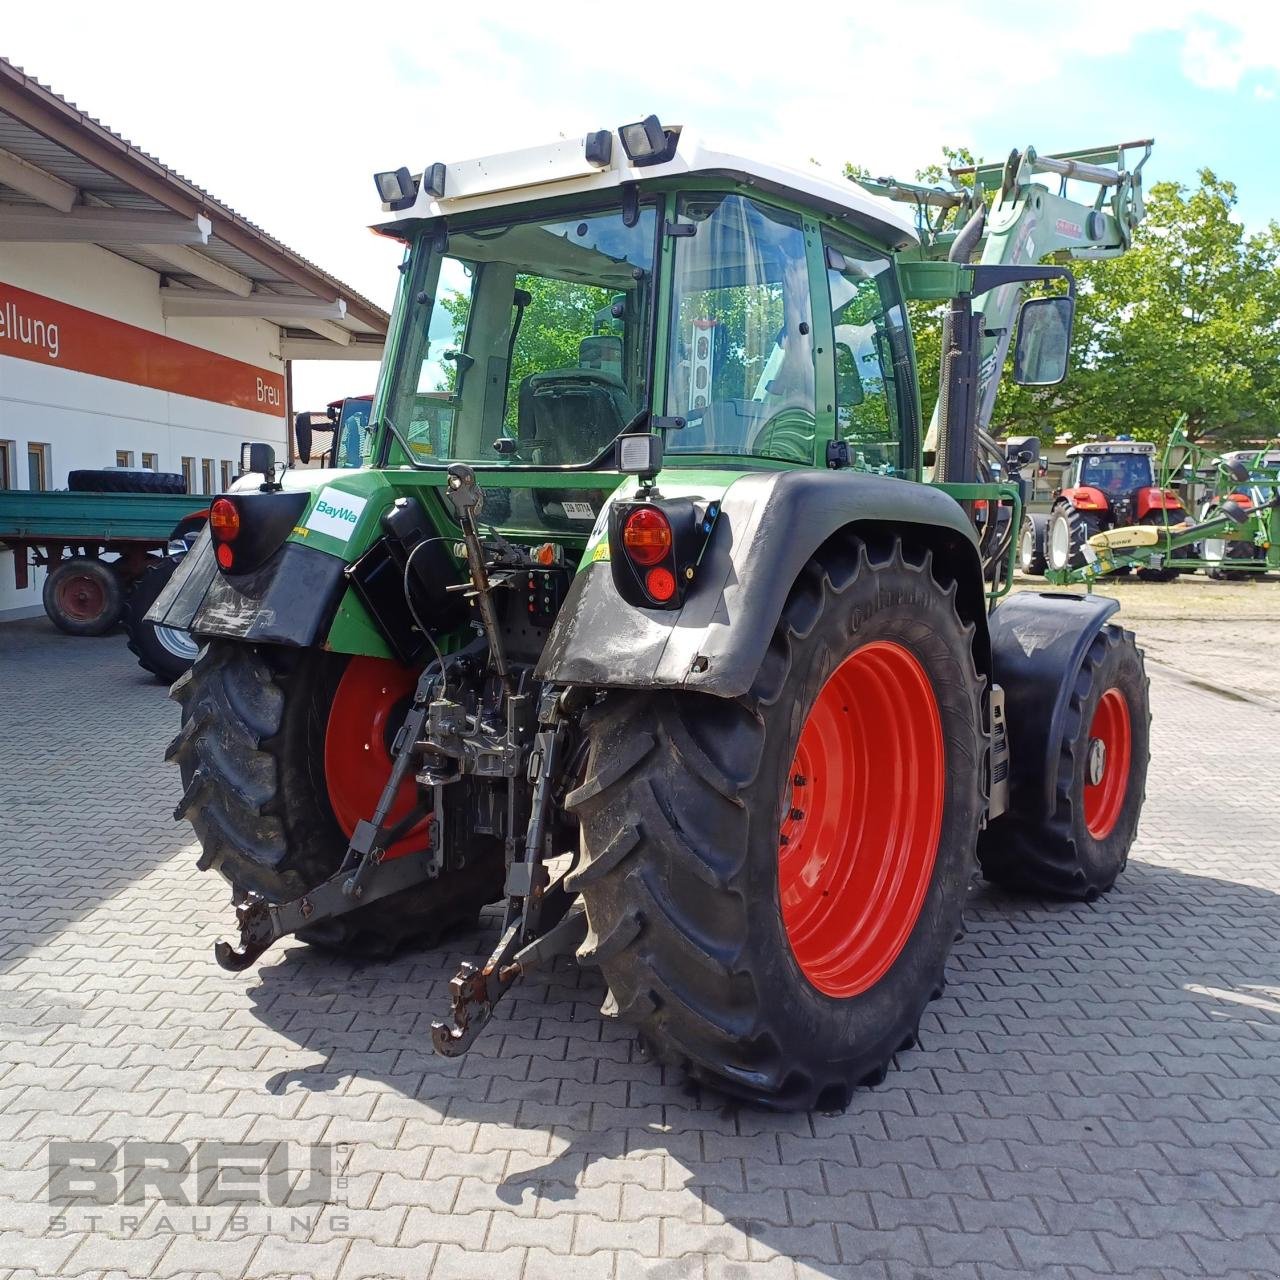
[1083, 845]
[267, 806]
[774, 883]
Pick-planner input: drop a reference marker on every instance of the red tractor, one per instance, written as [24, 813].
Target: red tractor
[1105, 486]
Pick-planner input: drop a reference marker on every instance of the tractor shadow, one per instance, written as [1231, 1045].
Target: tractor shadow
[1070, 1041]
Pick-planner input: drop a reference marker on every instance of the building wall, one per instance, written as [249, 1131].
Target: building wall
[85, 418]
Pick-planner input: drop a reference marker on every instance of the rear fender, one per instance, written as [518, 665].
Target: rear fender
[1038, 641]
[770, 525]
[1156, 499]
[1084, 497]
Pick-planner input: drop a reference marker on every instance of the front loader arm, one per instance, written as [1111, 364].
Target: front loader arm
[1025, 223]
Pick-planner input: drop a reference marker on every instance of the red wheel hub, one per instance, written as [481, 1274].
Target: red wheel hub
[1106, 782]
[862, 818]
[368, 708]
[81, 597]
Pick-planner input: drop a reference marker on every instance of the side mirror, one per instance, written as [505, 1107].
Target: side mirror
[1022, 451]
[258, 459]
[302, 436]
[1044, 339]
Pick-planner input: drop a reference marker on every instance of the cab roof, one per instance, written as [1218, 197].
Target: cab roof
[562, 168]
[1112, 446]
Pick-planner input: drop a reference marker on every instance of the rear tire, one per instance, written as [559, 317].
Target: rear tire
[1031, 559]
[83, 596]
[1083, 846]
[166, 652]
[719, 950]
[1159, 575]
[1067, 533]
[251, 752]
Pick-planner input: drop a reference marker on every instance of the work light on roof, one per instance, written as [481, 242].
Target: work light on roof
[433, 180]
[645, 141]
[395, 188]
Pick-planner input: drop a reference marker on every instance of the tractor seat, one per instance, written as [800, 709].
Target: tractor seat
[570, 415]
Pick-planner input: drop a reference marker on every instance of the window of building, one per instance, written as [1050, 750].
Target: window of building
[151, 462]
[6, 464]
[37, 466]
[226, 475]
[206, 470]
[189, 473]
[124, 457]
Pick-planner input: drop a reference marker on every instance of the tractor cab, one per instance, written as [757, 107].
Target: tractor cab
[1111, 476]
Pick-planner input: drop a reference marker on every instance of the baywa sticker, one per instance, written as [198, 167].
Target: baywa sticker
[335, 513]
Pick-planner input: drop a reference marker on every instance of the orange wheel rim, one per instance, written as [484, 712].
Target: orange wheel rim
[862, 818]
[1109, 751]
[368, 708]
[81, 597]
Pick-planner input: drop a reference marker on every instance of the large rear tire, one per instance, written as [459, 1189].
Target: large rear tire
[1162, 574]
[1080, 849]
[1066, 534]
[261, 791]
[166, 652]
[125, 480]
[774, 883]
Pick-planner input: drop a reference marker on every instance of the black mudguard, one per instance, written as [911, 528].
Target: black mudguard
[770, 524]
[1038, 641]
[290, 599]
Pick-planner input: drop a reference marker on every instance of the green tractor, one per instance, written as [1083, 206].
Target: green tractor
[643, 619]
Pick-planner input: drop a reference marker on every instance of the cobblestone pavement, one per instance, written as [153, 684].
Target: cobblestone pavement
[1098, 1091]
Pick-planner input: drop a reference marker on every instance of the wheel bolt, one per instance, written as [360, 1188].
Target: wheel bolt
[797, 814]
[799, 780]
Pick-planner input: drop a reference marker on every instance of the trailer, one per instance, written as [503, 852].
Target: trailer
[108, 555]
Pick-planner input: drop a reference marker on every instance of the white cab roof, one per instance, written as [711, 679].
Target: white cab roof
[560, 168]
[1113, 446]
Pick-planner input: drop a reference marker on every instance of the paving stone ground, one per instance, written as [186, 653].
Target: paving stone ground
[1097, 1093]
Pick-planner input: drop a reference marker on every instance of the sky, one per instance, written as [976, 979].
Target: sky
[285, 111]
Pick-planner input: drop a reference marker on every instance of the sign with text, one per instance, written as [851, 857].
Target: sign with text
[36, 328]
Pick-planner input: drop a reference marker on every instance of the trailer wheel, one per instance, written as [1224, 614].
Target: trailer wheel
[278, 748]
[1066, 534]
[1080, 849]
[83, 596]
[1031, 558]
[164, 651]
[774, 883]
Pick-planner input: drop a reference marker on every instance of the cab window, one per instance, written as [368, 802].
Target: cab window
[871, 364]
[741, 368]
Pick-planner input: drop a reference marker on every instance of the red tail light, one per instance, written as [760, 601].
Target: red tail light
[646, 535]
[660, 583]
[224, 522]
[224, 556]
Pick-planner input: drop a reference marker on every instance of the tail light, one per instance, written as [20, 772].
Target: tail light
[248, 528]
[656, 546]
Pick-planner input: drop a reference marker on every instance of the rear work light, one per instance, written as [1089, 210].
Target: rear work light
[646, 535]
[224, 520]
